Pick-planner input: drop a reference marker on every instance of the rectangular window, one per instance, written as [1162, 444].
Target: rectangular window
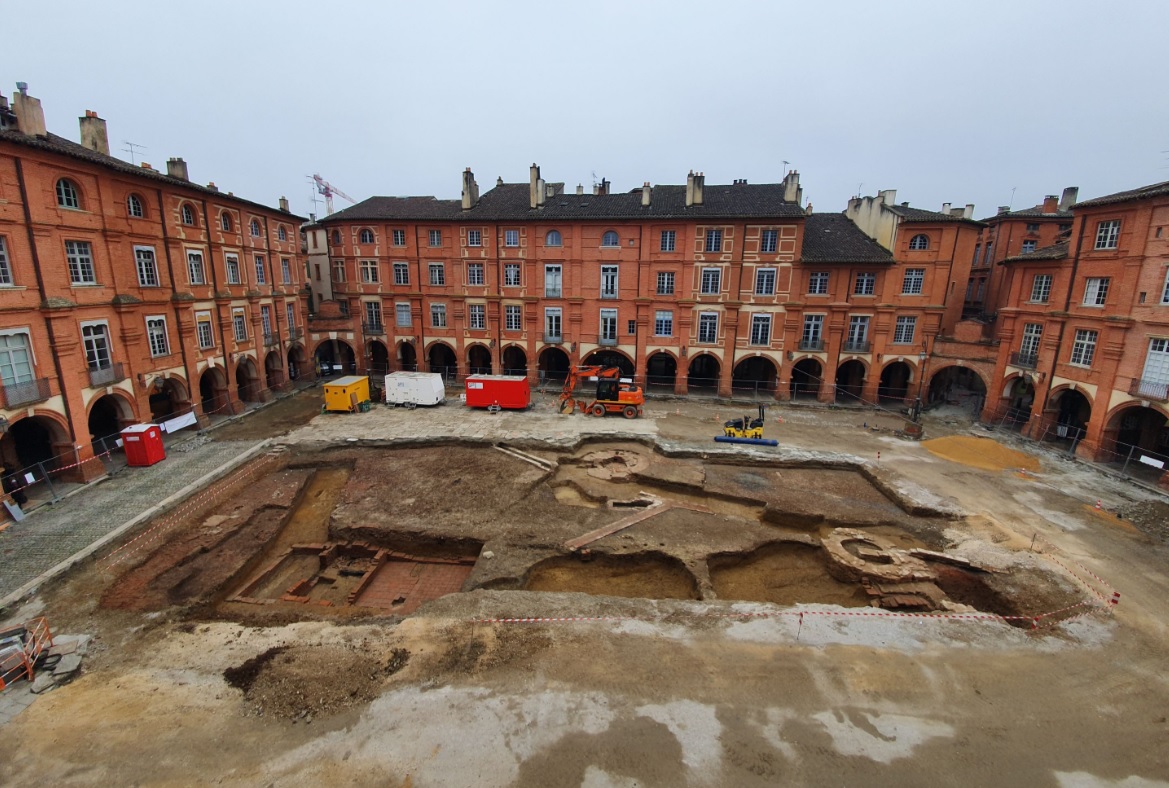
[608, 281]
[989, 253]
[231, 265]
[266, 322]
[1032, 227]
[1107, 234]
[1029, 347]
[143, 257]
[1155, 378]
[609, 325]
[765, 281]
[760, 329]
[818, 283]
[513, 316]
[239, 325]
[96, 338]
[290, 315]
[261, 277]
[477, 316]
[668, 239]
[436, 237]
[977, 250]
[402, 313]
[1095, 291]
[1029, 246]
[714, 240]
[475, 274]
[203, 330]
[156, 336]
[913, 281]
[369, 271]
[438, 315]
[552, 325]
[437, 274]
[552, 281]
[6, 268]
[906, 328]
[1084, 348]
[285, 270]
[663, 324]
[769, 242]
[812, 337]
[631, 328]
[1040, 288]
[399, 237]
[80, 258]
[401, 273]
[195, 268]
[511, 237]
[511, 275]
[707, 328]
[858, 334]
[474, 238]
[711, 281]
[1165, 290]
[373, 315]
[866, 284]
[666, 283]
[338, 270]
[15, 359]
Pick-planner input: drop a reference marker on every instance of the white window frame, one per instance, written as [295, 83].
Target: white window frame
[281, 233]
[1029, 246]
[905, 331]
[1032, 334]
[92, 355]
[714, 276]
[266, 321]
[708, 328]
[858, 328]
[663, 323]
[511, 238]
[82, 270]
[203, 320]
[913, 281]
[438, 316]
[1083, 347]
[68, 195]
[285, 270]
[554, 239]
[765, 281]
[477, 317]
[196, 270]
[370, 273]
[254, 227]
[813, 329]
[399, 237]
[372, 314]
[609, 324]
[769, 241]
[437, 273]
[669, 240]
[261, 275]
[818, 282]
[145, 263]
[403, 315]
[1107, 234]
[474, 237]
[610, 284]
[714, 240]
[919, 243]
[1165, 289]
[553, 273]
[134, 207]
[1096, 291]
[554, 315]
[760, 330]
[665, 283]
[434, 238]
[401, 274]
[1041, 287]
[513, 317]
[239, 324]
[865, 284]
[290, 315]
[512, 273]
[6, 265]
[476, 274]
[610, 239]
[365, 234]
[16, 374]
[231, 267]
[187, 214]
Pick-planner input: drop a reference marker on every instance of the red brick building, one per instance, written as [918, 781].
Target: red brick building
[130, 295]
[1084, 331]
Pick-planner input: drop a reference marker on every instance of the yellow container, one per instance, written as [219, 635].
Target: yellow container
[346, 394]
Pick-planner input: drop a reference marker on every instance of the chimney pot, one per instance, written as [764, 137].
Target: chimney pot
[1004, 209]
[22, 87]
[30, 115]
[145, 166]
[93, 133]
[1050, 203]
[946, 208]
[580, 188]
[211, 185]
[284, 204]
[645, 194]
[499, 180]
[968, 211]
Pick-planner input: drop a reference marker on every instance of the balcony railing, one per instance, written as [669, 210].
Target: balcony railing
[1025, 360]
[552, 292]
[609, 294]
[812, 345]
[16, 394]
[373, 328]
[295, 333]
[856, 346]
[553, 339]
[270, 339]
[605, 341]
[1150, 389]
[104, 376]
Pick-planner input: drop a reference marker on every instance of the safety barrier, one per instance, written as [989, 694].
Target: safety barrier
[20, 648]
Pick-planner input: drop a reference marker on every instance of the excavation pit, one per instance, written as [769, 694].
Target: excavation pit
[645, 576]
[782, 573]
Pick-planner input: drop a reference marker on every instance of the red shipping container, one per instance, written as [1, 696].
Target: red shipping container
[506, 391]
[143, 444]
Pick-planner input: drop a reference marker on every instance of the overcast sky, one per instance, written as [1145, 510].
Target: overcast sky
[945, 102]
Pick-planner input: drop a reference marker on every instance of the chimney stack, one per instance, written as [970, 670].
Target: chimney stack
[603, 186]
[30, 115]
[1070, 194]
[177, 168]
[498, 181]
[946, 208]
[699, 183]
[808, 210]
[145, 166]
[1050, 203]
[1003, 209]
[791, 187]
[645, 194]
[535, 188]
[211, 185]
[284, 204]
[580, 189]
[968, 211]
[470, 190]
[690, 189]
[93, 133]
[888, 197]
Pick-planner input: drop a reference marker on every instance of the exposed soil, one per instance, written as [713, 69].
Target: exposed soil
[649, 576]
[276, 418]
[982, 453]
[783, 573]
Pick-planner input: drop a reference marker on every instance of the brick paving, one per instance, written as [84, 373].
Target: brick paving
[52, 534]
[414, 583]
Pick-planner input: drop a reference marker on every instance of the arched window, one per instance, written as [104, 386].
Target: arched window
[367, 236]
[225, 222]
[610, 239]
[255, 229]
[188, 214]
[919, 241]
[67, 196]
[336, 238]
[553, 238]
[134, 206]
[281, 233]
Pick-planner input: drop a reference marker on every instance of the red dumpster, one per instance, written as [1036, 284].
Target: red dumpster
[143, 444]
[505, 391]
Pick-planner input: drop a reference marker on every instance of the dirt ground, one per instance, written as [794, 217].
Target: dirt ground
[700, 646]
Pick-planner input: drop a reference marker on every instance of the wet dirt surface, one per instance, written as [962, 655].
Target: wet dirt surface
[782, 574]
[644, 576]
[276, 418]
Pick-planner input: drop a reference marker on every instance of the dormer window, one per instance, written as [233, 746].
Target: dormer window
[610, 239]
[919, 242]
[67, 196]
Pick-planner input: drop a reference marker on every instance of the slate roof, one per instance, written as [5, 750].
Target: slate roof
[1155, 190]
[921, 215]
[511, 202]
[1035, 212]
[834, 238]
[56, 144]
[1056, 251]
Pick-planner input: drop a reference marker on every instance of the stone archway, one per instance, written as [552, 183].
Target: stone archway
[168, 398]
[1020, 396]
[273, 373]
[515, 361]
[702, 375]
[956, 385]
[247, 380]
[610, 358]
[754, 376]
[108, 415]
[213, 392]
[553, 364]
[32, 440]
[379, 359]
[296, 362]
[335, 357]
[407, 357]
[1137, 428]
[894, 383]
[478, 360]
[441, 359]
[807, 375]
[661, 372]
[1073, 412]
[850, 382]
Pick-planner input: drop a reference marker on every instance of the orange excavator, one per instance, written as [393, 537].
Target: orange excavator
[613, 394]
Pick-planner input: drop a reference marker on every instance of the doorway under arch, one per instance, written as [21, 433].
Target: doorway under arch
[407, 357]
[442, 360]
[553, 364]
[1073, 412]
[661, 372]
[515, 361]
[961, 386]
[213, 392]
[478, 360]
[247, 380]
[894, 384]
[703, 374]
[1139, 428]
[610, 358]
[168, 398]
[1020, 395]
[108, 415]
[850, 382]
[807, 375]
[335, 357]
[379, 358]
[296, 362]
[32, 440]
[754, 376]
[273, 373]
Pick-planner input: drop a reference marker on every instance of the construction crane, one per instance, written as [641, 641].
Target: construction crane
[328, 189]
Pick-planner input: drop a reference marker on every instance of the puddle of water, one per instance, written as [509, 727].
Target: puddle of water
[783, 574]
[636, 576]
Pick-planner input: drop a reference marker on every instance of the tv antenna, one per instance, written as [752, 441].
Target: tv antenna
[132, 148]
